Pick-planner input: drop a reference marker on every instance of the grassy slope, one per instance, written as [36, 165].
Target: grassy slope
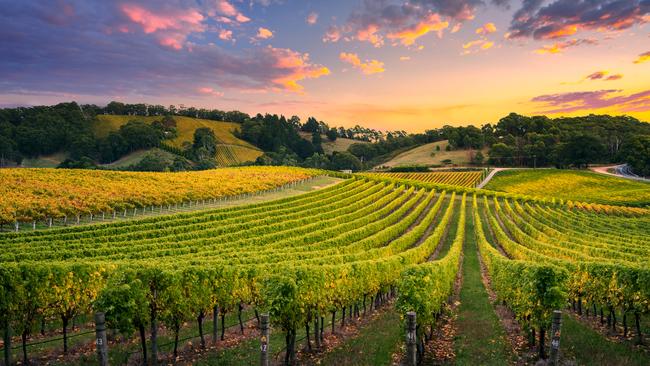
[46, 161]
[186, 126]
[341, 144]
[135, 157]
[572, 185]
[421, 155]
[480, 338]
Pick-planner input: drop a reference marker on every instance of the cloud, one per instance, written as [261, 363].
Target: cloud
[405, 58]
[90, 56]
[312, 18]
[559, 47]
[228, 10]
[408, 36]
[297, 67]
[369, 67]
[171, 27]
[403, 22]
[332, 35]
[476, 46]
[487, 28]
[225, 35]
[593, 100]
[644, 57]
[209, 91]
[563, 18]
[263, 33]
[603, 75]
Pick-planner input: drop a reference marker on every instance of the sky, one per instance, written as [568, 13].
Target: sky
[391, 65]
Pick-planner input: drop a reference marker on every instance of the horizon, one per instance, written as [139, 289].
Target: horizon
[387, 65]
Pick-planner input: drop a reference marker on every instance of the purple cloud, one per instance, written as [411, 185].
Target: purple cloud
[562, 18]
[104, 48]
[403, 22]
[590, 100]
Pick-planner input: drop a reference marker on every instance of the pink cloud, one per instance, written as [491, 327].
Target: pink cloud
[332, 35]
[228, 12]
[209, 91]
[312, 18]
[603, 75]
[592, 100]
[170, 27]
[225, 35]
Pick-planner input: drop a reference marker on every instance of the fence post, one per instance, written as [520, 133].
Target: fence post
[264, 340]
[101, 343]
[556, 326]
[7, 342]
[17, 226]
[411, 340]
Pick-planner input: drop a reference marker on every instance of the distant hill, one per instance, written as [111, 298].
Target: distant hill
[230, 151]
[427, 154]
[340, 144]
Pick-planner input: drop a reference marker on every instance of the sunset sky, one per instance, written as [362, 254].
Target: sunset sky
[384, 64]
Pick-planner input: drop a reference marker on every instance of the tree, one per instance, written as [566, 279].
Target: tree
[501, 154]
[316, 140]
[205, 144]
[318, 161]
[478, 158]
[581, 150]
[331, 134]
[311, 125]
[636, 153]
[345, 161]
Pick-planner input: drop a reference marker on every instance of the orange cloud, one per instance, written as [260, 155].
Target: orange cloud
[405, 58]
[408, 36]
[264, 33]
[369, 34]
[332, 35]
[296, 67]
[565, 31]
[477, 45]
[369, 67]
[486, 29]
[644, 57]
[561, 46]
[603, 75]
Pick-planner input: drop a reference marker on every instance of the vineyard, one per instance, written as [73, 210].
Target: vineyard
[463, 179]
[42, 194]
[368, 241]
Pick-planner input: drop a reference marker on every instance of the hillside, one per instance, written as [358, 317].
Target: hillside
[572, 185]
[341, 144]
[232, 150]
[428, 155]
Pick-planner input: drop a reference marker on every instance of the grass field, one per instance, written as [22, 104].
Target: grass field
[572, 185]
[241, 150]
[340, 144]
[428, 155]
[137, 156]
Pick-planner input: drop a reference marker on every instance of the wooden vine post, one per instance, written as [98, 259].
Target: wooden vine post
[101, 343]
[411, 340]
[264, 339]
[556, 326]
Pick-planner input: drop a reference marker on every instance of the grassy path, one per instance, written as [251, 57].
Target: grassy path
[585, 346]
[480, 338]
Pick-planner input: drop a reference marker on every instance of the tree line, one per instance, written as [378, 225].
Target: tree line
[515, 140]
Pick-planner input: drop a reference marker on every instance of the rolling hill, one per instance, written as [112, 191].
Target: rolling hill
[231, 150]
[428, 155]
[341, 144]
